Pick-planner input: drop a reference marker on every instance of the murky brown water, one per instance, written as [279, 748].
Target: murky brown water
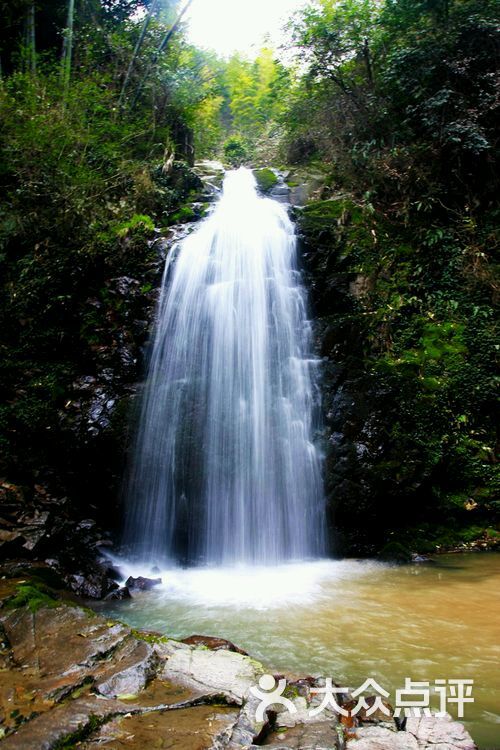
[350, 620]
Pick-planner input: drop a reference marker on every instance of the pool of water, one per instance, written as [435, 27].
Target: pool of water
[348, 620]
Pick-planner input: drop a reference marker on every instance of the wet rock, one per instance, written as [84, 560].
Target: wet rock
[395, 552]
[439, 733]
[224, 672]
[214, 644]
[381, 738]
[46, 730]
[134, 666]
[314, 736]
[197, 728]
[81, 638]
[421, 559]
[119, 594]
[248, 730]
[95, 585]
[377, 717]
[141, 583]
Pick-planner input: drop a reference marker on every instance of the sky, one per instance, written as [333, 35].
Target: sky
[229, 25]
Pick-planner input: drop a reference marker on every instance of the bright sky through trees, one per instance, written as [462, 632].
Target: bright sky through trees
[229, 25]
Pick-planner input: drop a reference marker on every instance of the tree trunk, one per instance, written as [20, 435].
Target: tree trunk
[68, 47]
[30, 37]
[368, 61]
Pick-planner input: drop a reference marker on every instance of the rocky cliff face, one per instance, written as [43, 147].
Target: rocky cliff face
[68, 415]
[404, 469]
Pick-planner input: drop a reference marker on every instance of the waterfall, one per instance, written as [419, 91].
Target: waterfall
[224, 468]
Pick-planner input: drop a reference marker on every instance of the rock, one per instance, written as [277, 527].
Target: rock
[134, 665]
[81, 638]
[141, 583]
[439, 733]
[266, 179]
[361, 286]
[96, 585]
[119, 594]
[248, 730]
[313, 736]
[395, 552]
[381, 738]
[377, 716]
[214, 644]
[230, 674]
[9, 536]
[197, 728]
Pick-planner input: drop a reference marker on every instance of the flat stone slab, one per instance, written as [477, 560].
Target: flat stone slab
[225, 672]
[443, 733]
[198, 728]
[311, 736]
[379, 738]
[82, 638]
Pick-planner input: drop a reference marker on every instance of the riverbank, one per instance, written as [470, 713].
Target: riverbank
[72, 678]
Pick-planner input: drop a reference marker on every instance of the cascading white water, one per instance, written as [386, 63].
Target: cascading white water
[225, 469]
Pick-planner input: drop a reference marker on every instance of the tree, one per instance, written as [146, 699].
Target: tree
[67, 52]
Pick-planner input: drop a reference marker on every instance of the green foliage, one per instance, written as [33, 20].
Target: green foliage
[84, 183]
[418, 342]
[236, 150]
[139, 223]
[400, 95]
[255, 99]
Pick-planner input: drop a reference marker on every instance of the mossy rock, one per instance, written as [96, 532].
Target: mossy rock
[33, 595]
[341, 210]
[395, 552]
[182, 216]
[266, 179]
[340, 224]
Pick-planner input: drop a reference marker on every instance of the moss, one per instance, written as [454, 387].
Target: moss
[341, 209]
[266, 179]
[152, 638]
[82, 733]
[182, 216]
[138, 224]
[33, 595]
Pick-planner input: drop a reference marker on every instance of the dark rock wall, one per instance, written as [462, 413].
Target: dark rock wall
[400, 353]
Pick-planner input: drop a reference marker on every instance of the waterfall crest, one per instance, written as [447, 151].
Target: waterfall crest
[224, 468]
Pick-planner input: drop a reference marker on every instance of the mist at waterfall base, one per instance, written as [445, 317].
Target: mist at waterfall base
[225, 470]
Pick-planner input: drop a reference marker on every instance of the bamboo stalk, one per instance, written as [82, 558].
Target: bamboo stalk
[163, 44]
[68, 48]
[137, 50]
